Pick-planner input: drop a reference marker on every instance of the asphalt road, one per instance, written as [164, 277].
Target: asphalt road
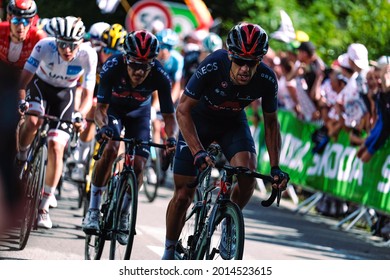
[271, 234]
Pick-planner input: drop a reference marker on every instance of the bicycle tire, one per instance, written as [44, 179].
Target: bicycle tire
[116, 249]
[209, 247]
[152, 167]
[93, 248]
[34, 176]
[188, 236]
[132, 183]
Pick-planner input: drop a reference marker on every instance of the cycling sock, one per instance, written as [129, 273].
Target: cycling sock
[48, 191]
[84, 149]
[126, 204]
[22, 154]
[169, 252]
[96, 196]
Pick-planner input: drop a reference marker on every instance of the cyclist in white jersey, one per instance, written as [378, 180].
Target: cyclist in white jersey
[47, 85]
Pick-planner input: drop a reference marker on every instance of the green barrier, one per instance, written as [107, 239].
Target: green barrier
[337, 171]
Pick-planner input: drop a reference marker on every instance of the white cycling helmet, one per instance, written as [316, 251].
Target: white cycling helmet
[50, 27]
[69, 28]
[97, 29]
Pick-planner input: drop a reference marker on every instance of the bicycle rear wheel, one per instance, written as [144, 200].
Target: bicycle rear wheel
[152, 174]
[34, 177]
[210, 248]
[188, 236]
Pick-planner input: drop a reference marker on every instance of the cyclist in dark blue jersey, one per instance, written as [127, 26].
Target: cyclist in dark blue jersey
[211, 109]
[124, 101]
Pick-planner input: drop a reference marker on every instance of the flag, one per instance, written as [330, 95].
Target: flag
[107, 6]
[201, 13]
[286, 32]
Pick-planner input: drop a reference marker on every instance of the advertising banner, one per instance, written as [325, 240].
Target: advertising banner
[337, 171]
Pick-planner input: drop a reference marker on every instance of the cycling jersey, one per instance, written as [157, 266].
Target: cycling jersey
[48, 65]
[130, 107]
[220, 98]
[115, 88]
[33, 36]
[219, 115]
[174, 66]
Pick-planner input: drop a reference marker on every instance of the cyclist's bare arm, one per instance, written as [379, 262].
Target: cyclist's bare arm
[101, 117]
[272, 137]
[186, 124]
[170, 124]
[25, 77]
[86, 101]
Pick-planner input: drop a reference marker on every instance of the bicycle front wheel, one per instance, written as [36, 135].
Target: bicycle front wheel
[34, 177]
[152, 174]
[227, 244]
[122, 250]
[94, 245]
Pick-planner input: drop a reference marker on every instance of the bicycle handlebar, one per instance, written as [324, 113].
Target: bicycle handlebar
[131, 141]
[48, 117]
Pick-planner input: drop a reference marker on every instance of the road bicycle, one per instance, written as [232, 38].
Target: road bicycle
[121, 181]
[32, 176]
[212, 210]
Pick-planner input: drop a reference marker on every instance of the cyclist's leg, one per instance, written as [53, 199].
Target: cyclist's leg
[184, 175]
[31, 124]
[101, 174]
[239, 149]
[59, 104]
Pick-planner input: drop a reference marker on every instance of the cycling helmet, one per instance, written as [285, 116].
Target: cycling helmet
[248, 41]
[212, 43]
[50, 27]
[141, 45]
[168, 37]
[96, 30]
[22, 8]
[114, 36]
[69, 28]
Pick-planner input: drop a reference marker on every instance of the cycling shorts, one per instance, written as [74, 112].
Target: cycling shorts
[45, 98]
[134, 127]
[233, 136]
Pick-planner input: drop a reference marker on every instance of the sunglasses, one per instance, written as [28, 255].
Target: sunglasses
[135, 65]
[18, 20]
[241, 62]
[110, 51]
[66, 44]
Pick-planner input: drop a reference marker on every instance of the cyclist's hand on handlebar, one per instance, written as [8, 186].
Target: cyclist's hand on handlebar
[202, 159]
[281, 178]
[78, 121]
[171, 145]
[104, 133]
[22, 106]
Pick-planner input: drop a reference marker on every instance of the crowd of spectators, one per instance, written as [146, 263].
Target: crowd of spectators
[351, 94]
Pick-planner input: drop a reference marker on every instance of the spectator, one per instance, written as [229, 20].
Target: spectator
[287, 93]
[311, 68]
[381, 131]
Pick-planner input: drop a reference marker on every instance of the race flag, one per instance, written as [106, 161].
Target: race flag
[108, 6]
[286, 32]
[201, 13]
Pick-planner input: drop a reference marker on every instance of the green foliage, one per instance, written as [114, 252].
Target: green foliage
[331, 24]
